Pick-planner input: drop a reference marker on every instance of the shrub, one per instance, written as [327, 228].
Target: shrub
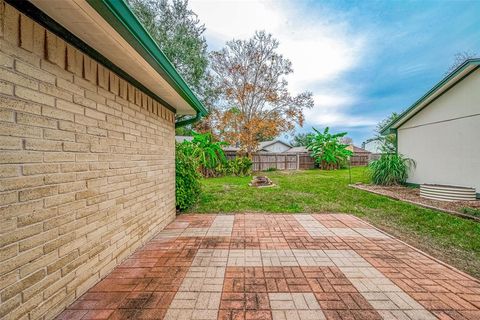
[240, 166]
[187, 177]
[390, 169]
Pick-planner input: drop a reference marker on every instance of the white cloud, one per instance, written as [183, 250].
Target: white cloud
[333, 101]
[320, 45]
[333, 110]
[334, 118]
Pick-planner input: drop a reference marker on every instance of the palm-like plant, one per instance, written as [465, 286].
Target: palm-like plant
[327, 150]
[208, 152]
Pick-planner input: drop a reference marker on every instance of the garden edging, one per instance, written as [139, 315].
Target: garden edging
[459, 214]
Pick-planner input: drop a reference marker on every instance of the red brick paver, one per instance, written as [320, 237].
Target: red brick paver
[260, 266]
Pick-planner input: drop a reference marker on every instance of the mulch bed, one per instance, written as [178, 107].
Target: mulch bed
[412, 195]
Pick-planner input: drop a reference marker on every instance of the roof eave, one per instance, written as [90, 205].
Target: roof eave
[121, 18]
[471, 64]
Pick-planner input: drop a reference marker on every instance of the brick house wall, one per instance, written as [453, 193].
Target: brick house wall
[86, 169]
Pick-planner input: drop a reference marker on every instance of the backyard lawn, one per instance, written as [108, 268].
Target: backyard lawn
[451, 239]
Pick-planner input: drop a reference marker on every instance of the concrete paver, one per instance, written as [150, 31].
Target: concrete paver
[263, 266]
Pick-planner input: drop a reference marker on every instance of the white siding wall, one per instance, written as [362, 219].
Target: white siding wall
[444, 138]
[277, 147]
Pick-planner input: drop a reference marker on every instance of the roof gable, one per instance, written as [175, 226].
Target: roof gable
[264, 144]
[356, 149]
[457, 75]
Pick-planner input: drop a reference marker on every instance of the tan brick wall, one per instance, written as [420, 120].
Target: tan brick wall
[86, 170]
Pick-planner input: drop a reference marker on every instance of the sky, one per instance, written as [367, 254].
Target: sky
[362, 60]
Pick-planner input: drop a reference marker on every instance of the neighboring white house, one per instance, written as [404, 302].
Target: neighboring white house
[277, 146]
[441, 131]
[301, 149]
[273, 146]
[372, 145]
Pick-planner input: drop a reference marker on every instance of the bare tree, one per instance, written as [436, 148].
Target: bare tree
[256, 102]
[346, 140]
[459, 58]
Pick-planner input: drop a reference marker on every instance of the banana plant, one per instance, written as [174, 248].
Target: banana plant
[208, 152]
[327, 150]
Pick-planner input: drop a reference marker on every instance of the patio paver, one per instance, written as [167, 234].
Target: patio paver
[263, 266]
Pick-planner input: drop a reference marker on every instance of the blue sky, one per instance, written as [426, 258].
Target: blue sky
[361, 60]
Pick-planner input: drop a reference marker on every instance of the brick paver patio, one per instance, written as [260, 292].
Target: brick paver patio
[260, 266]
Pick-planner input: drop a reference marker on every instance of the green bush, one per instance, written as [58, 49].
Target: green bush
[187, 177]
[240, 167]
[390, 169]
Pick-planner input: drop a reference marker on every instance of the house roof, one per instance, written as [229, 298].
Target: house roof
[264, 144]
[440, 88]
[261, 145]
[109, 31]
[356, 149]
[370, 140]
[301, 149]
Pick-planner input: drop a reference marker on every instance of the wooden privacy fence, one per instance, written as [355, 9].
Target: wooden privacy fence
[290, 161]
[295, 161]
[359, 160]
[279, 161]
[305, 161]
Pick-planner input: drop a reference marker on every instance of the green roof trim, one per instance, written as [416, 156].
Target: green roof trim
[118, 14]
[468, 63]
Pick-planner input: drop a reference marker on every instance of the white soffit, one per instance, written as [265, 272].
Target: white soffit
[78, 17]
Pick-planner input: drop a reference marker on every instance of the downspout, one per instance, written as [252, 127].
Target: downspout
[188, 121]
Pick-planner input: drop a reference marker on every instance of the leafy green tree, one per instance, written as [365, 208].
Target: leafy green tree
[301, 139]
[388, 141]
[179, 33]
[327, 150]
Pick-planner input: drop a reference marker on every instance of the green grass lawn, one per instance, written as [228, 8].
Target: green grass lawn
[449, 238]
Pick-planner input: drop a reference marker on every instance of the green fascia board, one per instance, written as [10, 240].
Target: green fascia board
[121, 18]
[388, 129]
